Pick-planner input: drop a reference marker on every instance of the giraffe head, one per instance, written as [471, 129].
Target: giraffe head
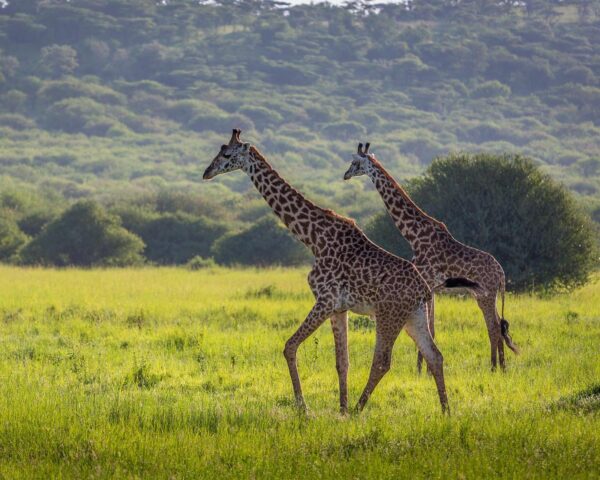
[232, 156]
[361, 160]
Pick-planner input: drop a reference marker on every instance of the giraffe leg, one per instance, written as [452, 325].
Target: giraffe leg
[315, 318]
[339, 325]
[487, 305]
[387, 331]
[431, 321]
[418, 330]
[501, 353]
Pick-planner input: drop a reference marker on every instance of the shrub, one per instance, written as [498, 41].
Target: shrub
[173, 238]
[491, 89]
[265, 243]
[71, 114]
[11, 239]
[84, 235]
[57, 60]
[261, 117]
[506, 206]
[200, 263]
[345, 130]
[16, 121]
[383, 232]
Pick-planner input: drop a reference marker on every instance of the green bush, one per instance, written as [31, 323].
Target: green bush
[71, 114]
[505, 205]
[11, 239]
[265, 243]
[383, 232]
[57, 60]
[16, 121]
[173, 238]
[200, 263]
[491, 89]
[84, 235]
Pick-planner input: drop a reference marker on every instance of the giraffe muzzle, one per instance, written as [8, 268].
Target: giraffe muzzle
[208, 174]
[348, 175]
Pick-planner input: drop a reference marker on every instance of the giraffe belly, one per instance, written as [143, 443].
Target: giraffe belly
[363, 309]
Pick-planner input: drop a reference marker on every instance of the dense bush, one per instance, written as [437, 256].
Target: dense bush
[508, 207]
[173, 238]
[11, 239]
[265, 243]
[84, 235]
[383, 232]
[120, 100]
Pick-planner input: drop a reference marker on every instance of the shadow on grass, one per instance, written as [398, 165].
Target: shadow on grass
[585, 401]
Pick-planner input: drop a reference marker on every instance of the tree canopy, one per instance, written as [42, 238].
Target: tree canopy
[84, 235]
[504, 205]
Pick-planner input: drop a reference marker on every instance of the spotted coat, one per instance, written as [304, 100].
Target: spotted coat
[350, 273]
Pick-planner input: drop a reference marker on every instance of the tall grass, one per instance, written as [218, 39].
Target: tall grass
[175, 374]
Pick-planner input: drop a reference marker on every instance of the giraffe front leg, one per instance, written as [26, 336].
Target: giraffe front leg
[339, 325]
[387, 332]
[431, 321]
[315, 318]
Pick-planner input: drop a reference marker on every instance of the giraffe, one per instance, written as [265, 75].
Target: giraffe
[438, 255]
[349, 273]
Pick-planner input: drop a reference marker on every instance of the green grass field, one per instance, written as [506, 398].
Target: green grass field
[167, 373]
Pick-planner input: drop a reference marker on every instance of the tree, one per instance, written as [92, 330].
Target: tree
[173, 238]
[264, 243]
[58, 60]
[11, 239]
[84, 235]
[383, 232]
[505, 205]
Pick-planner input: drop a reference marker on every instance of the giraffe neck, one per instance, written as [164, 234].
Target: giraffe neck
[413, 223]
[315, 227]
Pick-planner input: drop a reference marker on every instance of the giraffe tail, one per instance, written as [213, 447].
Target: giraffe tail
[504, 323]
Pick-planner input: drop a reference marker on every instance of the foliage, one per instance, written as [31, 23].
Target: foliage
[506, 206]
[383, 232]
[58, 60]
[120, 102]
[264, 243]
[141, 94]
[84, 235]
[173, 238]
[194, 385]
[11, 239]
[200, 263]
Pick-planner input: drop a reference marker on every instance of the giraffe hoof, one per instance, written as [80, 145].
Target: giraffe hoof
[301, 407]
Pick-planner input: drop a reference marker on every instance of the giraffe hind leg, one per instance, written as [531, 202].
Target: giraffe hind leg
[339, 326]
[431, 322]
[487, 305]
[387, 330]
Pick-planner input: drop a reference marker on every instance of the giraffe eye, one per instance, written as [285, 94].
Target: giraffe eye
[226, 155]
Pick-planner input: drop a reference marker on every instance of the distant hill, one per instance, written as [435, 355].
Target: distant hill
[119, 98]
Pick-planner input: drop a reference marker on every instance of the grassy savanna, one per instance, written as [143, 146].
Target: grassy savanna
[175, 374]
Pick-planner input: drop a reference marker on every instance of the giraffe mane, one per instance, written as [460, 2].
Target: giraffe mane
[405, 194]
[326, 211]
